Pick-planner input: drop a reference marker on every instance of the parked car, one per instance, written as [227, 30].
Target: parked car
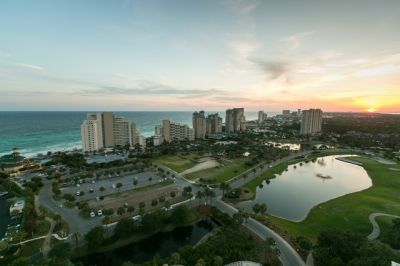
[92, 214]
[78, 193]
[91, 190]
[99, 212]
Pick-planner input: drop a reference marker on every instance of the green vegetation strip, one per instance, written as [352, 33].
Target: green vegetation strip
[149, 187]
[350, 212]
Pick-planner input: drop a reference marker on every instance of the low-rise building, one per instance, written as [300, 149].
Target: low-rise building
[12, 162]
[17, 207]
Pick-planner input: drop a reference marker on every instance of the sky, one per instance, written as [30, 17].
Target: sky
[209, 54]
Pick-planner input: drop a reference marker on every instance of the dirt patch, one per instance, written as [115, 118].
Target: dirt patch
[210, 163]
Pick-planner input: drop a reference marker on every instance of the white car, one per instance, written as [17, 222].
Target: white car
[113, 186]
[99, 212]
[92, 214]
[78, 193]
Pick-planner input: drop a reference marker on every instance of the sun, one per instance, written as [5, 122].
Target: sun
[371, 110]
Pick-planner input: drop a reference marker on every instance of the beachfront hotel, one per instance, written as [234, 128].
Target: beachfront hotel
[235, 120]
[311, 122]
[105, 130]
[170, 131]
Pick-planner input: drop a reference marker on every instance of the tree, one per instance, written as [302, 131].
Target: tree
[95, 237]
[176, 258]
[218, 261]
[121, 210]
[119, 185]
[60, 251]
[256, 208]
[180, 215]
[102, 189]
[150, 179]
[263, 208]
[76, 236]
[131, 209]
[199, 195]
[224, 187]
[135, 182]
[238, 218]
[172, 194]
[268, 244]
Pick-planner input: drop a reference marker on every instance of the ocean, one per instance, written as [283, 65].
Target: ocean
[39, 132]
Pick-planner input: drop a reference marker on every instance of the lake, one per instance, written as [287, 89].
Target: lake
[293, 193]
[162, 243]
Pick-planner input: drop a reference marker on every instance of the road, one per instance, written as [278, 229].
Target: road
[376, 231]
[288, 255]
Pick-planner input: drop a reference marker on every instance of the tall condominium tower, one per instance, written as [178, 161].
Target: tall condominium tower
[107, 124]
[261, 117]
[173, 131]
[213, 124]
[199, 125]
[311, 122]
[121, 131]
[91, 134]
[235, 120]
[104, 130]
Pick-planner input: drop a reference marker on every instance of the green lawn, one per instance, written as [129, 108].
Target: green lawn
[385, 224]
[31, 248]
[176, 163]
[350, 212]
[221, 173]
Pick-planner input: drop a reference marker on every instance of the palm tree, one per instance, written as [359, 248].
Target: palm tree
[268, 244]
[135, 182]
[199, 195]
[224, 186]
[102, 189]
[263, 208]
[119, 185]
[76, 236]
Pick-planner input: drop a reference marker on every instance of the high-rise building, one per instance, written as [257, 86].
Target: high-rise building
[122, 131]
[199, 125]
[285, 112]
[235, 120]
[213, 124]
[173, 131]
[261, 117]
[91, 134]
[107, 124]
[104, 130]
[311, 122]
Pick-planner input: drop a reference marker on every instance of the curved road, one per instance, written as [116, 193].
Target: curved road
[288, 255]
[376, 231]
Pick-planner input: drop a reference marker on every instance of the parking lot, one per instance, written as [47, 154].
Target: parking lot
[91, 188]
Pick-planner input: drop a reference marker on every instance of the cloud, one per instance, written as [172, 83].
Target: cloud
[4, 54]
[148, 88]
[294, 40]
[242, 7]
[31, 67]
[274, 68]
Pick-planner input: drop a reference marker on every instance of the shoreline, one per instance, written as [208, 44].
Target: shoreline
[344, 159]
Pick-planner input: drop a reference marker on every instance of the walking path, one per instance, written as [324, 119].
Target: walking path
[46, 244]
[376, 231]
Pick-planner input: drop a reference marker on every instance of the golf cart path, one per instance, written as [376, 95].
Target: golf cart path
[376, 231]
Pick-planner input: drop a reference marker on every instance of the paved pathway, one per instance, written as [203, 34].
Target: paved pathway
[46, 244]
[376, 231]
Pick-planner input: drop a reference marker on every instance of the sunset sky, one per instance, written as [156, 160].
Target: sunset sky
[190, 55]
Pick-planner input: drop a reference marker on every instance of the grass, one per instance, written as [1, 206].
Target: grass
[220, 173]
[31, 248]
[350, 212]
[176, 163]
[385, 224]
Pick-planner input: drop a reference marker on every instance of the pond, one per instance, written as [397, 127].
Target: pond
[162, 243]
[293, 193]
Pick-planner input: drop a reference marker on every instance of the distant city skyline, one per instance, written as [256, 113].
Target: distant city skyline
[193, 55]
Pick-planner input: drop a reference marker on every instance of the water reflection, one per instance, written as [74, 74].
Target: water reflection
[162, 243]
[294, 192]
